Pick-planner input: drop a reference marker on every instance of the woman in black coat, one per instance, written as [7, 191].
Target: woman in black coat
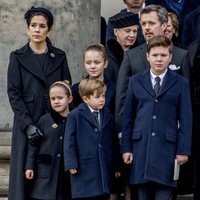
[125, 26]
[31, 71]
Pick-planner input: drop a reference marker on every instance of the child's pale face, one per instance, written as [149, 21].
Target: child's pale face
[95, 101]
[94, 64]
[159, 59]
[59, 100]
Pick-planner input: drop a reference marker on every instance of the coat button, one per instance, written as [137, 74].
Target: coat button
[95, 129]
[58, 155]
[61, 137]
[154, 117]
[156, 100]
[153, 133]
[99, 145]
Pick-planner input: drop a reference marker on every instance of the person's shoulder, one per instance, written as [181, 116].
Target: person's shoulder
[194, 45]
[180, 51]
[76, 111]
[56, 50]
[178, 77]
[137, 76]
[44, 119]
[175, 48]
[116, 14]
[75, 85]
[109, 84]
[21, 50]
[107, 112]
[137, 49]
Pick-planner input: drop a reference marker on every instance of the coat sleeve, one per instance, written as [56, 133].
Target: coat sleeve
[186, 66]
[76, 97]
[66, 73]
[32, 150]
[185, 122]
[109, 31]
[128, 119]
[14, 90]
[70, 150]
[186, 31]
[121, 88]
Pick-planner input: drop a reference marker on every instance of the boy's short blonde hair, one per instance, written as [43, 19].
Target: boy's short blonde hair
[87, 87]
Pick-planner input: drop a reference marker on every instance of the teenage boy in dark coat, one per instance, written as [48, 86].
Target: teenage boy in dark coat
[157, 124]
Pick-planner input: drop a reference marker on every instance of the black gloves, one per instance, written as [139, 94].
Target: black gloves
[34, 134]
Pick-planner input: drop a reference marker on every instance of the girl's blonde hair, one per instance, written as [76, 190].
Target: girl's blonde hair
[96, 47]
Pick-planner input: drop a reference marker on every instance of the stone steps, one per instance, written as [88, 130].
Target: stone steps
[5, 148]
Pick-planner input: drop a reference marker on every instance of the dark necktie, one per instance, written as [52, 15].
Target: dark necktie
[95, 115]
[157, 85]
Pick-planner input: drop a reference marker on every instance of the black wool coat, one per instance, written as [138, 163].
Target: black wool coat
[50, 181]
[28, 87]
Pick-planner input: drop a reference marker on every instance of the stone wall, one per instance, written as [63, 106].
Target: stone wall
[76, 26]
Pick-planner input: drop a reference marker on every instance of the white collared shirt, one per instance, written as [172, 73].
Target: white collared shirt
[92, 110]
[153, 76]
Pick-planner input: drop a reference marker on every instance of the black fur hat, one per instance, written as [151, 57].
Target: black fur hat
[124, 19]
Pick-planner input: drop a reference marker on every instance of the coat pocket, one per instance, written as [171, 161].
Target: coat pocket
[43, 165]
[171, 137]
[87, 169]
[137, 135]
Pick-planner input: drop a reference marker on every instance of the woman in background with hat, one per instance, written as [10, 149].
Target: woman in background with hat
[125, 26]
[31, 71]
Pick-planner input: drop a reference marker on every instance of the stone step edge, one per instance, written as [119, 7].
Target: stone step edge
[5, 138]
[4, 186]
[5, 153]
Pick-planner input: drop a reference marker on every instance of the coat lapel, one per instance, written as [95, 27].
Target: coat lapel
[28, 60]
[193, 50]
[169, 80]
[86, 114]
[55, 59]
[104, 118]
[145, 80]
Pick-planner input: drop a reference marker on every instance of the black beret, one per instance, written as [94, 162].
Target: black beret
[45, 11]
[124, 19]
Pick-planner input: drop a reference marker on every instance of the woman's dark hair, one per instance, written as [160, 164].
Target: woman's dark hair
[39, 11]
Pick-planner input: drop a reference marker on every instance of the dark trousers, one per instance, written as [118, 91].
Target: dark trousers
[153, 191]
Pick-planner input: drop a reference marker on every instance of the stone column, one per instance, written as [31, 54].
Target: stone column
[76, 26]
